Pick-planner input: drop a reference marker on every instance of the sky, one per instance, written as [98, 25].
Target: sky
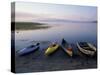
[30, 12]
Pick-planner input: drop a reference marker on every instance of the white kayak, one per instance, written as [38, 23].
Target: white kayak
[28, 49]
[86, 48]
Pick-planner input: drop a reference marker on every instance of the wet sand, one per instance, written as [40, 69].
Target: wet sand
[38, 62]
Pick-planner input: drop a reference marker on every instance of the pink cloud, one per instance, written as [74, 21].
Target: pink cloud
[28, 17]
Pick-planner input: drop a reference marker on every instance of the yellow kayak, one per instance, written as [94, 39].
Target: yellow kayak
[51, 49]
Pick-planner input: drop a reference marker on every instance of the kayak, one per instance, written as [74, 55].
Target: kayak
[51, 49]
[86, 48]
[28, 49]
[67, 47]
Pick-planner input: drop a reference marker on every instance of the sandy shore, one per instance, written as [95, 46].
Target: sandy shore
[38, 62]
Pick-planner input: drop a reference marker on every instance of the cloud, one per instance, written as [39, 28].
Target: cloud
[29, 17]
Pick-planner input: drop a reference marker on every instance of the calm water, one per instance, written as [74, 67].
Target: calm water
[72, 32]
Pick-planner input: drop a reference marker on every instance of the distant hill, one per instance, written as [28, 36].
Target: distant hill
[63, 20]
[28, 25]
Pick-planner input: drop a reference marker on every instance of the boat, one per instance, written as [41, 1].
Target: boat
[86, 48]
[28, 49]
[67, 47]
[51, 49]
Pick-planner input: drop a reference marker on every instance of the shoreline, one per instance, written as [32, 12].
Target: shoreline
[38, 62]
[29, 25]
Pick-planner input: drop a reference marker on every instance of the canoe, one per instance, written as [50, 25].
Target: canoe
[86, 48]
[51, 49]
[28, 49]
[67, 47]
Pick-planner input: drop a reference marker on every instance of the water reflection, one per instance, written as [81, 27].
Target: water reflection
[72, 32]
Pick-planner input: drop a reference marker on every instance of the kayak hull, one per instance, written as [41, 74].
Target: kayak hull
[70, 53]
[27, 50]
[66, 47]
[87, 51]
[51, 50]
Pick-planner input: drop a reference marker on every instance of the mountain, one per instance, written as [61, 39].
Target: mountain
[63, 20]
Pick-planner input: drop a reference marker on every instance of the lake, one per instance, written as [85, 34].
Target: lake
[71, 32]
